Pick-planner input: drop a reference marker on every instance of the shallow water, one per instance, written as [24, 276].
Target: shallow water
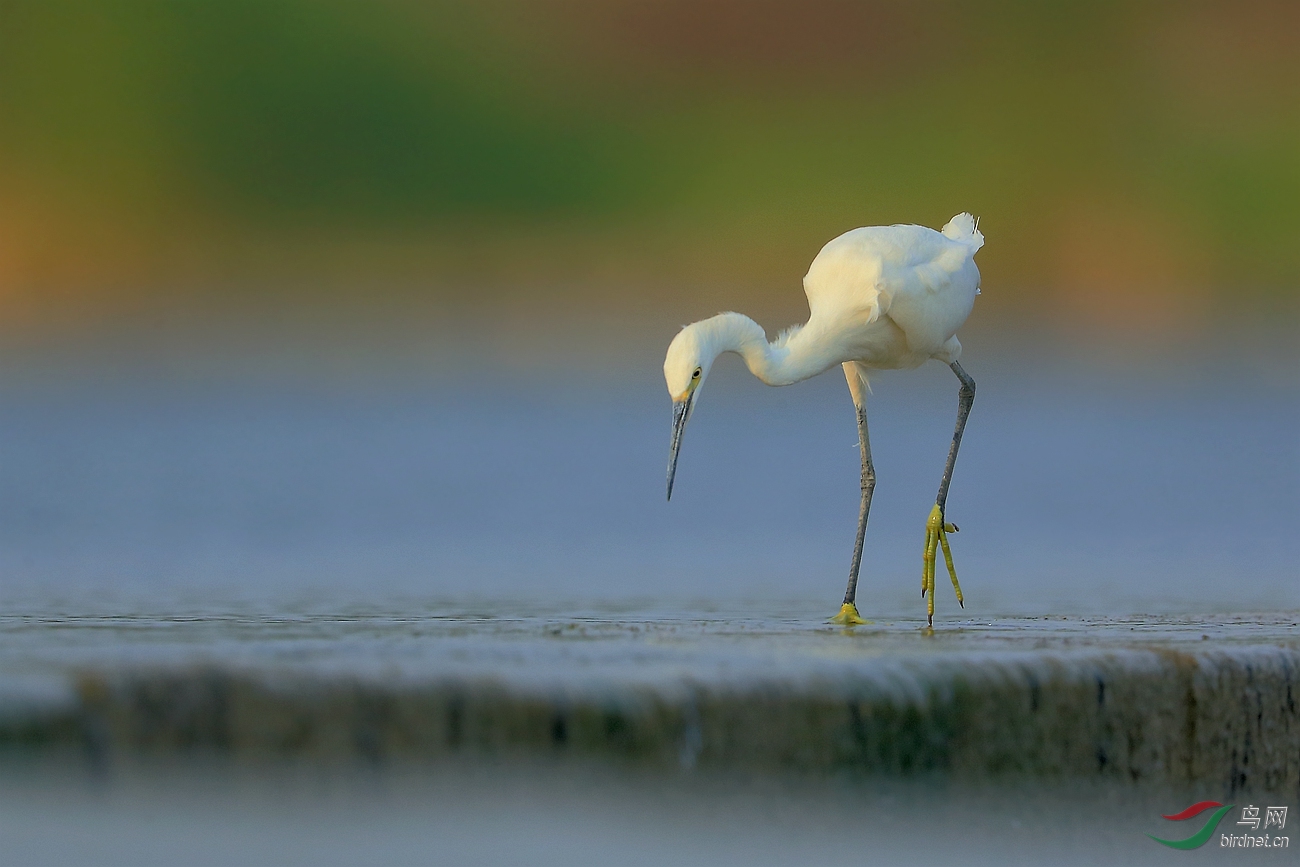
[594, 651]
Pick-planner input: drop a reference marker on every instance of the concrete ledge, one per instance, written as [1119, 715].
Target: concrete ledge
[1224, 720]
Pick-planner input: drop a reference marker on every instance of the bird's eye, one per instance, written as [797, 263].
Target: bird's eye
[696, 374]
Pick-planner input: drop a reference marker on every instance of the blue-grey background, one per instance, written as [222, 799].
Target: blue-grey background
[1083, 486]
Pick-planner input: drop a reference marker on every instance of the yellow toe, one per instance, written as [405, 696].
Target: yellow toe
[936, 537]
[849, 616]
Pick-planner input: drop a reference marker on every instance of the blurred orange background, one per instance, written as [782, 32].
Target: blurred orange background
[1136, 166]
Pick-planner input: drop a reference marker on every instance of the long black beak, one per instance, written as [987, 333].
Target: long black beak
[681, 412]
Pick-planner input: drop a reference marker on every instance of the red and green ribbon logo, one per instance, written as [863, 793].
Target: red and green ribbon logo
[1200, 837]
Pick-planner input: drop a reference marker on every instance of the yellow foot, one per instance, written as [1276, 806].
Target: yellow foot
[849, 616]
[936, 536]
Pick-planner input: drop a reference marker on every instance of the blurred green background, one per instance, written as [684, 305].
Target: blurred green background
[1136, 166]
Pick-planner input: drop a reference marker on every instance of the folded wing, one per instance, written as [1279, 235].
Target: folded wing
[925, 281]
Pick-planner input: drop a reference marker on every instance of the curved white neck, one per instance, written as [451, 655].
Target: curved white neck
[786, 360]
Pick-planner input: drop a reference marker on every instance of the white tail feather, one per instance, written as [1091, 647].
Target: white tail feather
[964, 228]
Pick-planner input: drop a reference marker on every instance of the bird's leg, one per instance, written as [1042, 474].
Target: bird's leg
[936, 528]
[848, 615]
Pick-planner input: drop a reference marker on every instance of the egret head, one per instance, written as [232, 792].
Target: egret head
[690, 356]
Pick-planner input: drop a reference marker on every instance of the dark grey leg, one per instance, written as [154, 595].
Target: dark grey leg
[965, 400]
[936, 527]
[848, 612]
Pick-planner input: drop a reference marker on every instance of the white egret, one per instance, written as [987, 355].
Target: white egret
[879, 298]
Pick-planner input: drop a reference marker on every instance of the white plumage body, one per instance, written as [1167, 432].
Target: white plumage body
[894, 296]
[878, 297]
[881, 296]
